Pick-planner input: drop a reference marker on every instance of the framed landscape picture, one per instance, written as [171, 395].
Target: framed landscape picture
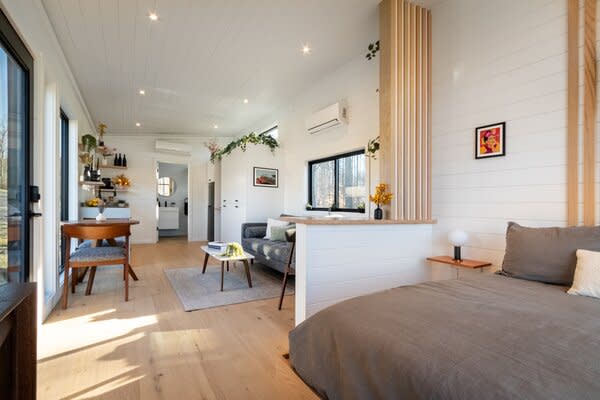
[490, 140]
[266, 177]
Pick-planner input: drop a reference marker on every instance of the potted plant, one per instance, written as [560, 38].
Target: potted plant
[381, 197]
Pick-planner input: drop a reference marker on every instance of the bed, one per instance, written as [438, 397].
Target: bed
[487, 337]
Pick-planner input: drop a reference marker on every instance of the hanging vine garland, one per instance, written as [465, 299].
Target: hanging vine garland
[242, 143]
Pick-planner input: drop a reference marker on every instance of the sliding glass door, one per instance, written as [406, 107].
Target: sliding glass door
[15, 127]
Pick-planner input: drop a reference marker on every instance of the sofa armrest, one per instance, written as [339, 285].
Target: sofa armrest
[254, 230]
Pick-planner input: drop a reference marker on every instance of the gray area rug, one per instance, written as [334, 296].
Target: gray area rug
[198, 291]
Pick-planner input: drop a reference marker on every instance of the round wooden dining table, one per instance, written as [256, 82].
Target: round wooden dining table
[101, 224]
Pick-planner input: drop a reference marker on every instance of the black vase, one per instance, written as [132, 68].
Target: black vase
[378, 213]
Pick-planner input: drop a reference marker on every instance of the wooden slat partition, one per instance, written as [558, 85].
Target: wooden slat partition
[405, 107]
[589, 113]
[573, 113]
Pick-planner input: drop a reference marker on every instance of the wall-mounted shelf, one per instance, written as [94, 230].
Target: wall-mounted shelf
[114, 190]
[91, 183]
[111, 167]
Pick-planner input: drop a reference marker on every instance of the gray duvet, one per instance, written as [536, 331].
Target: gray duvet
[491, 337]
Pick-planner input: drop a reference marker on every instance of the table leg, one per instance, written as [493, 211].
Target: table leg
[247, 268]
[90, 284]
[205, 262]
[222, 273]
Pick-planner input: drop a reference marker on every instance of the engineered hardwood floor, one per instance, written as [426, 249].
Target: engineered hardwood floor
[149, 348]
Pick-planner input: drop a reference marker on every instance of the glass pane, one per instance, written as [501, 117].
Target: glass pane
[351, 182]
[13, 126]
[323, 181]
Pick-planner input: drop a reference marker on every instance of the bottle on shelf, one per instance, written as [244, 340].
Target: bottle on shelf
[124, 161]
[119, 160]
[115, 160]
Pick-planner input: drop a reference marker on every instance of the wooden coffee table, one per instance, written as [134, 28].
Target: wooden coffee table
[217, 255]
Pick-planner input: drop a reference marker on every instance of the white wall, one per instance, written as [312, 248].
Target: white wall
[179, 174]
[492, 62]
[54, 82]
[356, 82]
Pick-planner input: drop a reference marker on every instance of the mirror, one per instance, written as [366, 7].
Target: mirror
[166, 186]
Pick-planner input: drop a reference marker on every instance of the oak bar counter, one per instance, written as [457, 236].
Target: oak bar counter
[337, 259]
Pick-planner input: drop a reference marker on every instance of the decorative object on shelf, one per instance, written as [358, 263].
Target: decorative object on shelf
[92, 202]
[373, 49]
[266, 177]
[100, 216]
[89, 143]
[458, 238]
[242, 143]
[124, 161]
[86, 173]
[121, 181]
[118, 161]
[373, 147]
[233, 249]
[101, 128]
[381, 197]
[490, 140]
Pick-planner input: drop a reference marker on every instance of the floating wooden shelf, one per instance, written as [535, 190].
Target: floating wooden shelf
[91, 183]
[112, 167]
[114, 190]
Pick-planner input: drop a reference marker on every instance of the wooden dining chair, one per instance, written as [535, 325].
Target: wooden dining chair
[290, 237]
[94, 256]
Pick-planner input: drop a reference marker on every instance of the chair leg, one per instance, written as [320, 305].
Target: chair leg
[126, 267]
[227, 266]
[74, 278]
[222, 273]
[90, 284]
[82, 275]
[285, 280]
[132, 273]
[65, 297]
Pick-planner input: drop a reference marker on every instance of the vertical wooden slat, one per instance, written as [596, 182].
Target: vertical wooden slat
[573, 112]
[428, 133]
[418, 111]
[589, 113]
[387, 42]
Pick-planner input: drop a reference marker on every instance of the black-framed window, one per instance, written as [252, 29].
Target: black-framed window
[16, 111]
[338, 183]
[64, 181]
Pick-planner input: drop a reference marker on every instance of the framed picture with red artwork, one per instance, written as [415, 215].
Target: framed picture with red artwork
[490, 140]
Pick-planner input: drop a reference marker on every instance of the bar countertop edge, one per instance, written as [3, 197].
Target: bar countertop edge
[349, 221]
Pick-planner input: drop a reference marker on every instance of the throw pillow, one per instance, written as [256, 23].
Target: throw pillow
[271, 222]
[278, 233]
[586, 281]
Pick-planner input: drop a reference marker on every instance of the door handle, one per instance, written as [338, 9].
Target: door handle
[34, 214]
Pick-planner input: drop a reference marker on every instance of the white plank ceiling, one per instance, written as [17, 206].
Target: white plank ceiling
[202, 58]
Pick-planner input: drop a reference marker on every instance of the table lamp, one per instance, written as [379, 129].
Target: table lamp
[457, 238]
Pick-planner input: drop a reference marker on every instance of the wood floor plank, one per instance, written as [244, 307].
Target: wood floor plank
[149, 348]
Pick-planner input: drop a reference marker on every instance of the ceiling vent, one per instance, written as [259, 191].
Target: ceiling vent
[328, 118]
[163, 146]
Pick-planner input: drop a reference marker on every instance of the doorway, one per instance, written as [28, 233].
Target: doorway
[172, 200]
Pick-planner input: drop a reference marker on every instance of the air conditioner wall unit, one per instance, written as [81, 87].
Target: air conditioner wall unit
[162, 146]
[329, 117]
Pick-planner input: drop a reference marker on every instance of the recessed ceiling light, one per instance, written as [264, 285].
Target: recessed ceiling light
[142, 92]
[138, 124]
[216, 126]
[305, 49]
[245, 101]
[153, 16]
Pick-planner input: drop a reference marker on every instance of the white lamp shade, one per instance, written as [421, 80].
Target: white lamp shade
[458, 237]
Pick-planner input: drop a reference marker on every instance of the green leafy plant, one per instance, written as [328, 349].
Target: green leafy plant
[373, 147]
[89, 143]
[242, 143]
[373, 49]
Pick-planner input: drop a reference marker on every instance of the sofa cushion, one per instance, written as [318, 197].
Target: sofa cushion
[269, 249]
[255, 231]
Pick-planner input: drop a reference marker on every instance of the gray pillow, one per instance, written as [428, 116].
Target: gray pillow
[278, 233]
[546, 254]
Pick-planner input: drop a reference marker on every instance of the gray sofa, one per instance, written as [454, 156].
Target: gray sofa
[267, 252]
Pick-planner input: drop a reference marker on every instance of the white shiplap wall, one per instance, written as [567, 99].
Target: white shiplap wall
[498, 61]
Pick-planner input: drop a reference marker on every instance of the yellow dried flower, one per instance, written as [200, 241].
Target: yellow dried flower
[381, 196]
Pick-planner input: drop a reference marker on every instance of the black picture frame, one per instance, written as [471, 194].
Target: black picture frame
[257, 171]
[480, 129]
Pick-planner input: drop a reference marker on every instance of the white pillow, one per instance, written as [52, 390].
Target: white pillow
[274, 222]
[586, 281]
